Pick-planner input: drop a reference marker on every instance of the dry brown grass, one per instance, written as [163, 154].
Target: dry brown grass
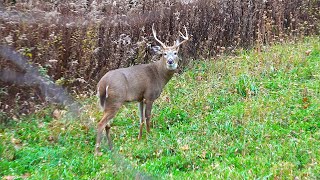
[76, 42]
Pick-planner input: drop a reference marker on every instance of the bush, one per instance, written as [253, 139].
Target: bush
[76, 42]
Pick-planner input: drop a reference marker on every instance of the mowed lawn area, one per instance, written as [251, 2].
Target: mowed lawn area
[252, 115]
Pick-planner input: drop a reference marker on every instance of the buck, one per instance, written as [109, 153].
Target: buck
[142, 83]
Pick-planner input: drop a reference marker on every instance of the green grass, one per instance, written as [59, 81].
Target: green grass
[255, 115]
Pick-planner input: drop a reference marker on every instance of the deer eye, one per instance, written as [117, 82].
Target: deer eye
[165, 54]
[175, 53]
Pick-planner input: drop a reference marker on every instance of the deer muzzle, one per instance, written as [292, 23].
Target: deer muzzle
[170, 61]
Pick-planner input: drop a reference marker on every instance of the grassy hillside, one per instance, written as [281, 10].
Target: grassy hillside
[254, 115]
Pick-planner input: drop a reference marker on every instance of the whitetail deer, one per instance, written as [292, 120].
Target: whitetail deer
[142, 83]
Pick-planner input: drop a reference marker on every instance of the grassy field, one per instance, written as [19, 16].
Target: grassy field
[255, 115]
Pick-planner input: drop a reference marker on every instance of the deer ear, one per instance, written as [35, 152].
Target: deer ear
[156, 49]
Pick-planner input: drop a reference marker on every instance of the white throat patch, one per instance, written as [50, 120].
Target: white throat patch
[172, 67]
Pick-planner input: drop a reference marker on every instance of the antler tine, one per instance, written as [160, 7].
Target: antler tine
[185, 37]
[155, 37]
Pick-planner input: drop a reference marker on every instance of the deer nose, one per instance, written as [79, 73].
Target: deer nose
[170, 61]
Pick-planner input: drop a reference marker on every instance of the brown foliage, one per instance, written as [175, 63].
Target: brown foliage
[76, 42]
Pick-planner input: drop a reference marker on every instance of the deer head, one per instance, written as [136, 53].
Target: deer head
[169, 54]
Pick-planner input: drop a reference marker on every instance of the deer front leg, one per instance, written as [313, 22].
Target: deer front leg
[148, 114]
[142, 109]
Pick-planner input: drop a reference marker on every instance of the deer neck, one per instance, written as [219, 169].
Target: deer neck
[164, 73]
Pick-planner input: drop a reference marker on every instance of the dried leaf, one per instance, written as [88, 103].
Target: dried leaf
[185, 147]
[167, 99]
[308, 52]
[56, 114]
[204, 153]
[26, 175]
[9, 177]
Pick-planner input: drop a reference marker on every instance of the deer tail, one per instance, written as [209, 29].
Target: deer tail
[103, 95]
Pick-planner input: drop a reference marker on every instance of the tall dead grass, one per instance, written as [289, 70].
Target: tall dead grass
[76, 42]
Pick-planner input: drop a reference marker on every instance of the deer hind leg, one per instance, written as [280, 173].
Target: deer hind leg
[107, 128]
[108, 114]
[142, 108]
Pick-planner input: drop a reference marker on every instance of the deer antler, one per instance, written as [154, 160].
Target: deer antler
[155, 37]
[185, 37]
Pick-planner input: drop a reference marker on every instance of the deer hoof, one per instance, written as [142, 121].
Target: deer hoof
[97, 151]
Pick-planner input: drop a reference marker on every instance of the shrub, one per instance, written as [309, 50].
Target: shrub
[77, 41]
